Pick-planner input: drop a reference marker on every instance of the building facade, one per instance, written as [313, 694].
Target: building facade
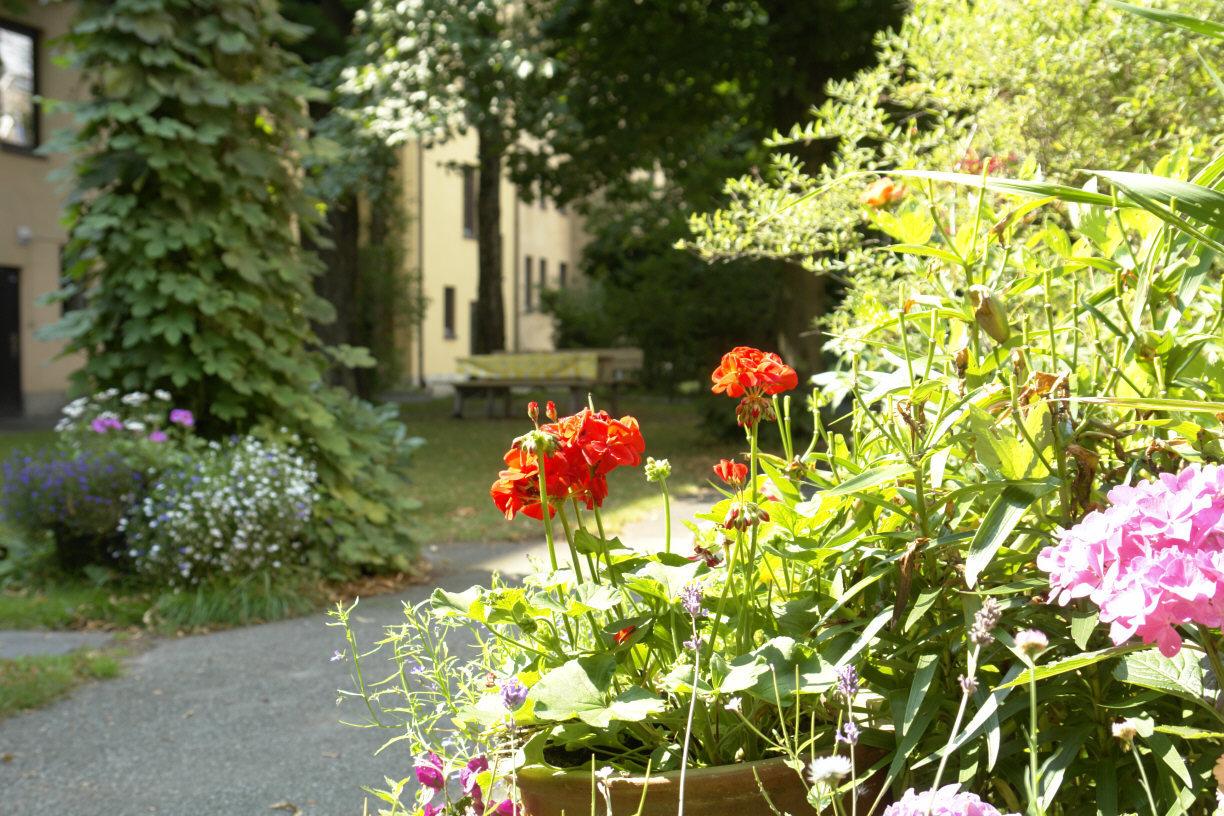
[541, 245]
[540, 242]
[33, 375]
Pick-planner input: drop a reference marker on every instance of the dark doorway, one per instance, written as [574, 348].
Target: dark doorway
[473, 319]
[10, 343]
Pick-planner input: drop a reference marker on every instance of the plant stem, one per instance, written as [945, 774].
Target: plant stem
[667, 522]
[688, 728]
[1147, 786]
[1034, 767]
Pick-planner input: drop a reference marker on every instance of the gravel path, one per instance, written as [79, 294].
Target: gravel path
[233, 723]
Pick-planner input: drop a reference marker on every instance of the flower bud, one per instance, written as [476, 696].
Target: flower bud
[743, 515]
[1032, 642]
[533, 411]
[989, 313]
[550, 410]
[657, 469]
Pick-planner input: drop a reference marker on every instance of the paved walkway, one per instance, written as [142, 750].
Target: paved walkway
[233, 723]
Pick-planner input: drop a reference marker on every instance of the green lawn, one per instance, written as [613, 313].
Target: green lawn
[452, 473]
[30, 682]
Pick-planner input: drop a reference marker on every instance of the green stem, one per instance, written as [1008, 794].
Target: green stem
[1147, 786]
[667, 523]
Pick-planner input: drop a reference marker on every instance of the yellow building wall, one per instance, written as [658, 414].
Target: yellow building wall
[31, 204]
[443, 256]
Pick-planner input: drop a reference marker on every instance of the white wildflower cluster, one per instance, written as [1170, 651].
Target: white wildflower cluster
[134, 411]
[243, 507]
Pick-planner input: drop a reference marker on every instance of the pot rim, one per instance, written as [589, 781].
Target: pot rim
[548, 772]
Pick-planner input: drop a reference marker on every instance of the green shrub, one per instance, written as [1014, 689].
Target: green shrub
[186, 229]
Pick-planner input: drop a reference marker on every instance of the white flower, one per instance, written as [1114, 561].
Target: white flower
[1032, 642]
[162, 394]
[734, 704]
[134, 425]
[135, 399]
[828, 769]
[1125, 731]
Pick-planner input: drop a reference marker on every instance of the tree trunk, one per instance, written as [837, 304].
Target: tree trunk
[489, 333]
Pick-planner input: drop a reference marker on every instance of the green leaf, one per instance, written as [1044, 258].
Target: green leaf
[1053, 769]
[1180, 675]
[1011, 186]
[868, 478]
[1083, 624]
[634, 704]
[585, 542]
[1069, 664]
[998, 523]
[576, 688]
[923, 675]
[776, 670]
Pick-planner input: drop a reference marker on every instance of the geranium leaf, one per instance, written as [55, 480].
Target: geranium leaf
[580, 686]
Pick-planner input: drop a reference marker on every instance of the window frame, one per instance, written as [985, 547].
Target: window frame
[470, 195]
[562, 274]
[528, 305]
[35, 36]
[450, 300]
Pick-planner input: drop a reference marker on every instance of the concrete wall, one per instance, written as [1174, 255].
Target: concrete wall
[29, 202]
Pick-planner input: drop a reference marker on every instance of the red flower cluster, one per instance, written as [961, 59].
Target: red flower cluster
[754, 375]
[745, 370]
[733, 473]
[580, 451]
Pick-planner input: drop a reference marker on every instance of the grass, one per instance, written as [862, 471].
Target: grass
[31, 682]
[70, 606]
[452, 473]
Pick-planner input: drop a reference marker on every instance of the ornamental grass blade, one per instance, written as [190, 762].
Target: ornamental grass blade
[1012, 186]
[1197, 25]
[1204, 204]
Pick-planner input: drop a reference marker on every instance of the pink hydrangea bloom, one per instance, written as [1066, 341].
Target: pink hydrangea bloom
[947, 801]
[1152, 560]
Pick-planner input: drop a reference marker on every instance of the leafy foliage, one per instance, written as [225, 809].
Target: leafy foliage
[186, 226]
[1033, 89]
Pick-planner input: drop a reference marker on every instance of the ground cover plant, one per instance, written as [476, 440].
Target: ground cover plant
[993, 586]
[31, 682]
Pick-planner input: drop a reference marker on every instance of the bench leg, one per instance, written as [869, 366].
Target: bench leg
[506, 404]
[457, 411]
[576, 402]
[490, 395]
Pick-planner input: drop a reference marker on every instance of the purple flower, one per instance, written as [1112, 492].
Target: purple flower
[849, 734]
[430, 771]
[105, 423]
[182, 416]
[158, 436]
[691, 597]
[506, 807]
[430, 809]
[513, 693]
[848, 682]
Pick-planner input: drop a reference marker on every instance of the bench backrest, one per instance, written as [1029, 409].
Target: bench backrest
[594, 365]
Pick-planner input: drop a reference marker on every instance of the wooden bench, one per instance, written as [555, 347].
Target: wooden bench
[579, 371]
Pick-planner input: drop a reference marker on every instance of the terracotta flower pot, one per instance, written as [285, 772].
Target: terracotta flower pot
[730, 789]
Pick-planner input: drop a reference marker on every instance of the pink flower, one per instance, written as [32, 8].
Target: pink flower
[506, 807]
[946, 801]
[430, 809]
[158, 436]
[106, 423]
[182, 416]
[468, 780]
[430, 771]
[1151, 561]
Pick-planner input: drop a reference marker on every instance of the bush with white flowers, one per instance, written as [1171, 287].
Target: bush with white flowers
[243, 508]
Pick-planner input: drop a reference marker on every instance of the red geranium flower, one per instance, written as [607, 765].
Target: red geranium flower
[624, 634]
[733, 473]
[746, 370]
[517, 489]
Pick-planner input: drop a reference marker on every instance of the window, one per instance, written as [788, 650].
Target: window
[18, 85]
[543, 274]
[448, 312]
[528, 299]
[562, 274]
[469, 202]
